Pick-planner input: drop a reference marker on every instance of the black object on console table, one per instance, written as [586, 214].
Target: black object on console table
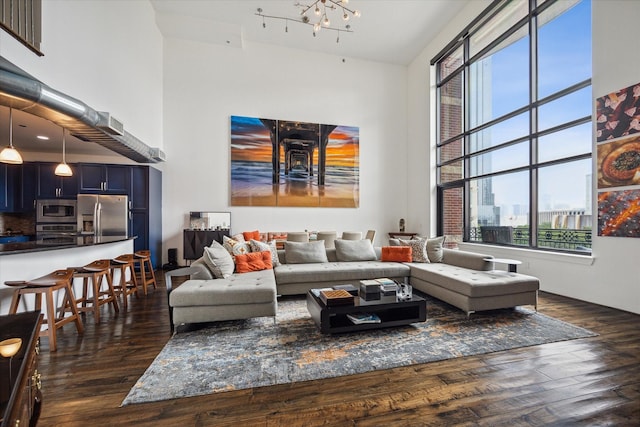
[194, 241]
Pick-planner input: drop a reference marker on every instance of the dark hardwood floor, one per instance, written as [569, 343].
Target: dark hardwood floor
[589, 382]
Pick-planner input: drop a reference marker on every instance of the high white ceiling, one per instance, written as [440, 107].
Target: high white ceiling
[392, 31]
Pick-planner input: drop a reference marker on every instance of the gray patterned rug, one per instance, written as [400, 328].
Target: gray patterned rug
[236, 355]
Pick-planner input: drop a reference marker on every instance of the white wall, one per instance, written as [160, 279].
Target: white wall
[612, 276]
[107, 54]
[205, 84]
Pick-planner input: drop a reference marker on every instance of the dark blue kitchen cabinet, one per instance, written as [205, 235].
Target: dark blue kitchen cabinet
[26, 190]
[104, 179]
[145, 199]
[51, 186]
[7, 186]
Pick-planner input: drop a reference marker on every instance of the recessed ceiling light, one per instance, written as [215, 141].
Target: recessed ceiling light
[46, 138]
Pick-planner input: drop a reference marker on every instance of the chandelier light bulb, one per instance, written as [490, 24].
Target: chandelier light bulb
[344, 2]
[317, 11]
[345, 17]
[326, 21]
[316, 27]
[356, 13]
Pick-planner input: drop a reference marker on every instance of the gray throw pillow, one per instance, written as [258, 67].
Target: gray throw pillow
[434, 249]
[219, 260]
[355, 250]
[305, 252]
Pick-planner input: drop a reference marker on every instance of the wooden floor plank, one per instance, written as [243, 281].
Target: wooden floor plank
[593, 381]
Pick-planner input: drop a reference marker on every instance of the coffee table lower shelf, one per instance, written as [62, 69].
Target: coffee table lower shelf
[334, 320]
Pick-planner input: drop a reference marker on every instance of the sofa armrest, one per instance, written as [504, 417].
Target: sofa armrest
[466, 259]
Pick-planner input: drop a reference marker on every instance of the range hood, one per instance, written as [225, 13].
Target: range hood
[21, 91]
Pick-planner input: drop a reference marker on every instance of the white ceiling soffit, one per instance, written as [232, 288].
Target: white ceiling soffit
[391, 31]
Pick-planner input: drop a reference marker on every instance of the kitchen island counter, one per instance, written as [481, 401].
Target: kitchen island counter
[29, 260]
[48, 245]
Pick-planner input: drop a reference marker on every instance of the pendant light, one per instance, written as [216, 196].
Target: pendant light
[9, 154]
[63, 168]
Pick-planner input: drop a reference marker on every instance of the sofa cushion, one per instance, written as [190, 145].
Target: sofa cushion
[338, 271]
[218, 260]
[418, 249]
[255, 287]
[473, 283]
[354, 250]
[396, 254]
[257, 246]
[305, 252]
[254, 261]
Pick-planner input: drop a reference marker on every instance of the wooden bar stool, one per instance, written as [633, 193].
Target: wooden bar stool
[124, 287]
[47, 285]
[147, 276]
[96, 273]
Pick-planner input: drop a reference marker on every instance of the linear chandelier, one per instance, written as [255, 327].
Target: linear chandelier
[316, 15]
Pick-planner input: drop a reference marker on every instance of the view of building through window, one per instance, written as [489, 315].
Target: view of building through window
[514, 127]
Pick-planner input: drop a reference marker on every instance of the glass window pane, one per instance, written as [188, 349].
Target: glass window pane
[564, 201]
[507, 130]
[501, 22]
[570, 107]
[499, 82]
[451, 118]
[451, 62]
[502, 159]
[453, 216]
[451, 172]
[502, 204]
[564, 43]
[569, 142]
[450, 151]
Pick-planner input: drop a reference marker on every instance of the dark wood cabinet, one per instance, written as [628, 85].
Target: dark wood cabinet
[194, 241]
[20, 395]
[104, 179]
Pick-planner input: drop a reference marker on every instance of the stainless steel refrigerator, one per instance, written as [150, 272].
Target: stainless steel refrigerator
[103, 215]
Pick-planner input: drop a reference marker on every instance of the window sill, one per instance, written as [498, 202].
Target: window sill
[511, 252]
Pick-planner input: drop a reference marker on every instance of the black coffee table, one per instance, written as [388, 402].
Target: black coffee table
[332, 320]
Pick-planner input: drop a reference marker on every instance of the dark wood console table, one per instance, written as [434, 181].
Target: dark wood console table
[401, 235]
[20, 396]
[194, 241]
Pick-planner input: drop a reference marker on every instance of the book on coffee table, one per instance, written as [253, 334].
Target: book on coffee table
[336, 297]
[360, 318]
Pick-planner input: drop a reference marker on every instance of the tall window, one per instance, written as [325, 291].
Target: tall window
[514, 127]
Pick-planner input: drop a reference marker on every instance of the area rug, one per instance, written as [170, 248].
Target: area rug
[235, 355]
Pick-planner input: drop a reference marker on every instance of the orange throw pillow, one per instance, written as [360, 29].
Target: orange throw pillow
[253, 261]
[397, 253]
[248, 235]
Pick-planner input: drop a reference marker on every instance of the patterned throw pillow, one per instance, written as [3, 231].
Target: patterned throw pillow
[418, 249]
[235, 247]
[257, 246]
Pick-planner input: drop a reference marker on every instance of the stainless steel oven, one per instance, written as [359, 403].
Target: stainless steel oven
[56, 211]
[56, 234]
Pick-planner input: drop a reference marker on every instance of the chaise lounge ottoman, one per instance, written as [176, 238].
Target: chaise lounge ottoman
[240, 296]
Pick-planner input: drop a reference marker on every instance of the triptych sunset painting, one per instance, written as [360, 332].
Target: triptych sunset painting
[289, 163]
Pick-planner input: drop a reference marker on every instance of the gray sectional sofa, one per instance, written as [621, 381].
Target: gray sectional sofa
[463, 279]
